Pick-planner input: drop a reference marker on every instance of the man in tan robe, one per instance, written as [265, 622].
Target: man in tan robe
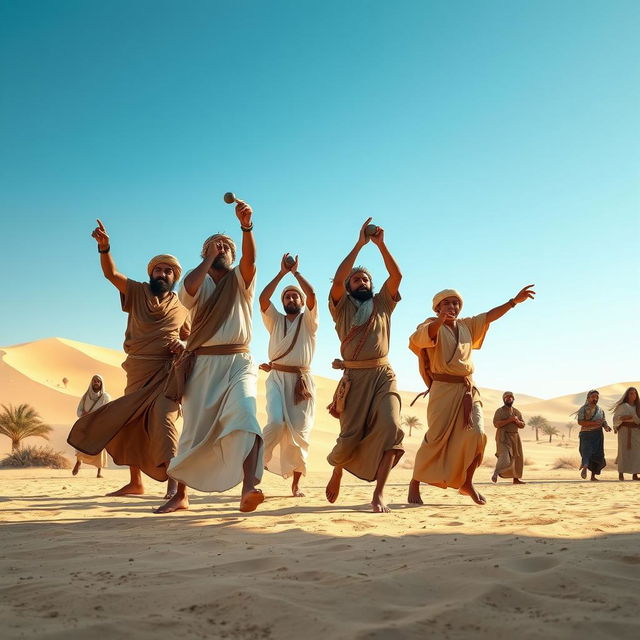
[626, 424]
[366, 400]
[138, 429]
[454, 444]
[510, 460]
[221, 441]
[92, 399]
[290, 390]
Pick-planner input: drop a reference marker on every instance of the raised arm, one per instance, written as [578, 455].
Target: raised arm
[267, 292]
[395, 275]
[248, 260]
[338, 288]
[117, 279]
[524, 294]
[304, 285]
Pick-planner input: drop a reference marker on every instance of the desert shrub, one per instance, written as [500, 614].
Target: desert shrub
[33, 456]
[566, 462]
[529, 462]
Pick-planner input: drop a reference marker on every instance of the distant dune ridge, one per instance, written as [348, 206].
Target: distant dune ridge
[33, 372]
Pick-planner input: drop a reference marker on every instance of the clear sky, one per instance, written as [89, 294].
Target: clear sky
[496, 142]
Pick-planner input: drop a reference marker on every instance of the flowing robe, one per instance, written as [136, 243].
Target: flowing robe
[628, 438]
[592, 440]
[370, 422]
[219, 402]
[450, 449]
[509, 453]
[87, 405]
[138, 429]
[289, 424]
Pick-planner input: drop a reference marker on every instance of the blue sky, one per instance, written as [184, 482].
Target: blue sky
[496, 142]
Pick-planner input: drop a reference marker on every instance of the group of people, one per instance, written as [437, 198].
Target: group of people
[189, 351]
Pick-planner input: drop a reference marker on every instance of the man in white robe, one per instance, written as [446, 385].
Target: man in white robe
[221, 441]
[290, 389]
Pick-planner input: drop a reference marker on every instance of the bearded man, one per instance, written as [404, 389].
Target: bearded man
[93, 398]
[454, 444]
[139, 429]
[290, 389]
[221, 441]
[366, 400]
[592, 421]
[510, 459]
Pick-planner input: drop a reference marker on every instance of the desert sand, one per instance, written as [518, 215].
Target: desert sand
[556, 558]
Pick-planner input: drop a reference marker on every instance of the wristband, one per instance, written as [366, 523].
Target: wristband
[247, 229]
[512, 302]
[104, 250]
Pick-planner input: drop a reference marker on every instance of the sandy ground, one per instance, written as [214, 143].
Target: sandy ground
[557, 558]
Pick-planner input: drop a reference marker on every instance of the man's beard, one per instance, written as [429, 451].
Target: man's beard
[362, 294]
[292, 308]
[96, 389]
[159, 286]
[508, 403]
[221, 261]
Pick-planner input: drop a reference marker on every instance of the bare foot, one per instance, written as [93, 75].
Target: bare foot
[635, 477]
[378, 505]
[414, 493]
[333, 487]
[99, 475]
[130, 489]
[583, 473]
[621, 477]
[76, 469]
[594, 479]
[251, 500]
[518, 481]
[172, 488]
[295, 491]
[176, 503]
[494, 477]
[472, 492]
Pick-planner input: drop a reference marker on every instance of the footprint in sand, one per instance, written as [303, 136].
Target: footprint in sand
[532, 565]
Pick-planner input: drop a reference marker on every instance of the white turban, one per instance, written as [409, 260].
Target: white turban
[445, 293]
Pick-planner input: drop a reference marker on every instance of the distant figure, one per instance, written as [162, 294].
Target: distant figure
[626, 423]
[94, 397]
[290, 389]
[508, 421]
[453, 447]
[592, 421]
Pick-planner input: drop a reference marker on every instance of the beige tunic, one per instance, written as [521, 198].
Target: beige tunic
[288, 429]
[628, 439]
[510, 463]
[370, 423]
[219, 403]
[449, 449]
[138, 429]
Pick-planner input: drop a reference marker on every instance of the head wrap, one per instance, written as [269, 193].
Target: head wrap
[218, 236]
[292, 287]
[507, 393]
[358, 270]
[165, 258]
[445, 293]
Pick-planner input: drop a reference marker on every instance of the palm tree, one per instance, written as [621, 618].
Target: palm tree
[549, 430]
[22, 422]
[569, 426]
[412, 422]
[536, 423]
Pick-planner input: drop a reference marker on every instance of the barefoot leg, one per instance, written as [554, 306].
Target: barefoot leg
[251, 496]
[134, 487]
[99, 474]
[518, 481]
[621, 477]
[172, 488]
[583, 473]
[384, 468]
[494, 477]
[178, 502]
[414, 493]
[295, 485]
[333, 486]
[467, 489]
[593, 477]
[76, 468]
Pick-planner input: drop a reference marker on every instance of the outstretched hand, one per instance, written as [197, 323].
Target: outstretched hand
[244, 213]
[101, 236]
[293, 268]
[524, 294]
[363, 238]
[378, 237]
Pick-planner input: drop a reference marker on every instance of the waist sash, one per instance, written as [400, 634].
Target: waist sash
[629, 425]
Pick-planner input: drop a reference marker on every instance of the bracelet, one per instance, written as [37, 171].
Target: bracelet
[246, 229]
[512, 302]
[104, 250]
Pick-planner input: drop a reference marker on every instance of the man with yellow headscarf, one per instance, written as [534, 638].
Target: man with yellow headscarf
[290, 389]
[454, 444]
[139, 429]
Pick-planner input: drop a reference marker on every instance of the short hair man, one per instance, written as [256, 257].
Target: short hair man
[510, 459]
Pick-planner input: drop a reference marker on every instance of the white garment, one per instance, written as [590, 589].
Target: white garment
[90, 401]
[288, 430]
[219, 403]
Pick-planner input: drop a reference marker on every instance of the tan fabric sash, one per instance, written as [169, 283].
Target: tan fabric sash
[629, 425]
[301, 390]
[209, 318]
[467, 399]
[359, 364]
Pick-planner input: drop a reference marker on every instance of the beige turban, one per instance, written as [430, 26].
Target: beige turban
[507, 393]
[446, 293]
[292, 287]
[165, 258]
[218, 236]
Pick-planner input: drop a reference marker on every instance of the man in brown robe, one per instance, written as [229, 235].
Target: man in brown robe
[454, 444]
[366, 400]
[510, 460]
[138, 429]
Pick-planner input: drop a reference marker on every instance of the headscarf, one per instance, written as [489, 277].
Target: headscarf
[165, 258]
[217, 236]
[292, 287]
[507, 393]
[90, 398]
[446, 293]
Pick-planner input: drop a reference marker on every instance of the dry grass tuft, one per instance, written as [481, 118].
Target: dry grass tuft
[35, 457]
[566, 462]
